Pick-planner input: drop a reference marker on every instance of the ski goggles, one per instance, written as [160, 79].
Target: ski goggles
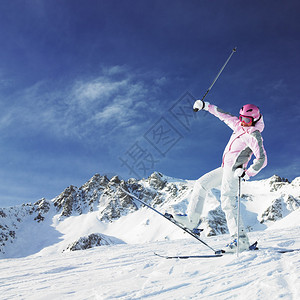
[246, 120]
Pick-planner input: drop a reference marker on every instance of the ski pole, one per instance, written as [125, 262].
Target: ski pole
[238, 219]
[217, 252]
[233, 50]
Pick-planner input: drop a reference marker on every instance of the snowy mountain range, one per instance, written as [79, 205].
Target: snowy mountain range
[100, 213]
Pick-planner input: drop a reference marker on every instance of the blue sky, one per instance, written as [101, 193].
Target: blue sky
[104, 87]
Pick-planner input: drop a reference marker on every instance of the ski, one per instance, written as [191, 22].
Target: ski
[188, 256]
[277, 250]
[282, 251]
[170, 218]
[218, 254]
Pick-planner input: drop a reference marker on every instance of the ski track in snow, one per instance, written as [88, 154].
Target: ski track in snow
[132, 271]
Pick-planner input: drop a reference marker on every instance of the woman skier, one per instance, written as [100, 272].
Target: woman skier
[245, 141]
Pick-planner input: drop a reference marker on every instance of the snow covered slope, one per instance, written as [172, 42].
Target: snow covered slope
[132, 271]
[38, 244]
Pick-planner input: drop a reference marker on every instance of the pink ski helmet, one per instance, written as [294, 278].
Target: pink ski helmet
[251, 111]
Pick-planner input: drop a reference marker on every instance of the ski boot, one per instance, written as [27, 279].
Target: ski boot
[243, 244]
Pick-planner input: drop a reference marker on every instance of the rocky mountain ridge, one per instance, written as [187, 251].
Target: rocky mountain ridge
[105, 197]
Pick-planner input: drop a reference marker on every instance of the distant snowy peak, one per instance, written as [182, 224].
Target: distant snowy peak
[296, 182]
[11, 219]
[276, 183]
[104, 195]
[280, 208]
[267, 200]
[276, 178]
[83, 199]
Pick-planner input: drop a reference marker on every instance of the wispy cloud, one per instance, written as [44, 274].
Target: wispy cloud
[98, 89]
[113, 100]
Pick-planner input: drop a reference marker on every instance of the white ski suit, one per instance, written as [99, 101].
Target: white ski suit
[244, 142]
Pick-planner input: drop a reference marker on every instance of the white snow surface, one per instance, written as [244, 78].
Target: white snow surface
[39, 267]
[132, 271]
